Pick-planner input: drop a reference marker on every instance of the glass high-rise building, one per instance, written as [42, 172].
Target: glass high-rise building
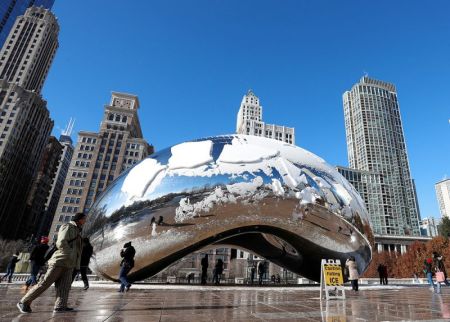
[443, 197]
[11, 9]
[375, 143]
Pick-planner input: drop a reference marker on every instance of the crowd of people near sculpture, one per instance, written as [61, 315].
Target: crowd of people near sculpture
[65, 259]
[60, 264]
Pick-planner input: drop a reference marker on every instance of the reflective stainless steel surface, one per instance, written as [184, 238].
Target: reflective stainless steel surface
[271, 198]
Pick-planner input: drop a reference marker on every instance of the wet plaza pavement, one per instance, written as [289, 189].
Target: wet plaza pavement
[102, 302]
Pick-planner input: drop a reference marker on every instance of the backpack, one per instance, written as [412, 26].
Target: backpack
[52, 249]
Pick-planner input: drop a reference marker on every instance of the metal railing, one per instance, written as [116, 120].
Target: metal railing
[20, 277]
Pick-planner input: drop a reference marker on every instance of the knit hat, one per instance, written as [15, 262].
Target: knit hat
[78, 216]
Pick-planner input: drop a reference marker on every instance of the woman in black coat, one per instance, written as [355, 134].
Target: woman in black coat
[86, 255]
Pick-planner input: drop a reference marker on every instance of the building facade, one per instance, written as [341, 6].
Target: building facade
[428, 227]
[34, 219]
[368, 184]
[29, 49]
[375, 143]
[99, 158]
[443, 197]
[249, 121]
[58, 182]
[11, 9]
[25, 126]
[25, 123]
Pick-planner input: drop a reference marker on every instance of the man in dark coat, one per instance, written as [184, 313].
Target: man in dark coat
[86, 254]
[261, 271]
[11, 267]
[218, 270]
[385, 275]
[252, 273]
[204, 264]
[127, 253]
[37, 260]
[382, 272]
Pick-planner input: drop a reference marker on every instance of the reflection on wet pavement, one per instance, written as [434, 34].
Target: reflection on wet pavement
[195, 303]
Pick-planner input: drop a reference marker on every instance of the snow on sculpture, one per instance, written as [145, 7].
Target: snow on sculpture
[220, 191]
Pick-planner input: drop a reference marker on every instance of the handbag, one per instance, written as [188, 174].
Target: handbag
[440, 277]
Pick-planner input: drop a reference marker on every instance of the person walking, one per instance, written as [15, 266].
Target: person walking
[204, 263]
[252, 273]
[385, 275]
[11, 267]
[218, 270]
[37, 260]
[60, 266]
[261, 271]
[353, 275]
[438, 262]
[127, 253]
[428, 270]
[380, 270]
[86, 255]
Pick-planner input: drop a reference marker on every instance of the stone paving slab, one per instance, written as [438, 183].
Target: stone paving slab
[180, 303]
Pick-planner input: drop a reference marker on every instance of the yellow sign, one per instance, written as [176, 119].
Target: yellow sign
[333, 275]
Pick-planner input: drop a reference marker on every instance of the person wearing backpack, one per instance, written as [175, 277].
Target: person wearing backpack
[37, 260]
[60, 266]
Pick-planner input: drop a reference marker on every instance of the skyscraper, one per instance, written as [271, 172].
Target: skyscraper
[25, 123]
[30, 47]
[368, 184]
[443, 197]
[11, 9]
[25, 126]
[376, 144]
[428, 227]
[249, 121]
[34, 214]
[100, 157]
[58, 182]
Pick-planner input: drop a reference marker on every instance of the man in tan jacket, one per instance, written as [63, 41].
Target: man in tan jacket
[60, 266]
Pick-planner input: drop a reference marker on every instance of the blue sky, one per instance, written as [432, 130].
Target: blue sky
[190, 63]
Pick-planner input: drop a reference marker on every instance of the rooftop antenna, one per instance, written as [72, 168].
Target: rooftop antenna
[68, 130]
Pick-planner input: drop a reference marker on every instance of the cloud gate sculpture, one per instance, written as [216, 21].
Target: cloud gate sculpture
[273, 199]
